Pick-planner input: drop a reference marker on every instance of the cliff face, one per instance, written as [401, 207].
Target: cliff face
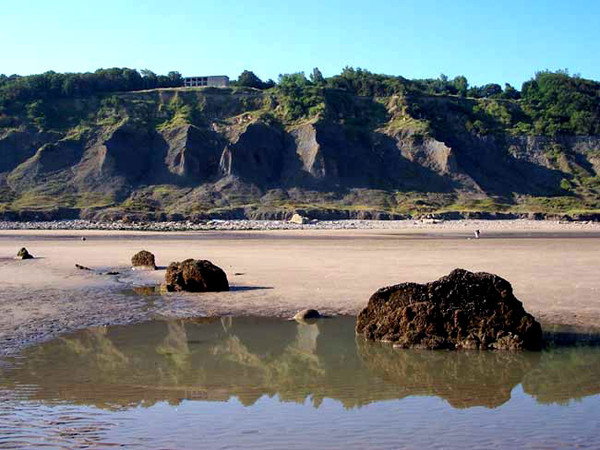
[204, 151]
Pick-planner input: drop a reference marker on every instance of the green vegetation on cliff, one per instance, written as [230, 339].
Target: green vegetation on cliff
[550, 103]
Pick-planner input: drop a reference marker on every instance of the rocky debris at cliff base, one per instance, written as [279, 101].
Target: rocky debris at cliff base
[465, 225]
[24, 254]
[194, 275]
[307, 315]
[463, 310]
[143, 260]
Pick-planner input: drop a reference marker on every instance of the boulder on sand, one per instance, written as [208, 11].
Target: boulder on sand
[143, 260]
[300, 220]
[24, 254]
[307, 314]
[463, 310]
[194, 275]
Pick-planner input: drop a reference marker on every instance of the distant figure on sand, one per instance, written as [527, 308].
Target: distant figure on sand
[477, 233]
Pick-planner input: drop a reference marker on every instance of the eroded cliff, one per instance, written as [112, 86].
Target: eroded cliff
[202, 152]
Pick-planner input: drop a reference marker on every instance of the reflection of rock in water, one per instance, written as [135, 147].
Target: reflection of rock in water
[306, 338]
[565, 374]
[463, 379]
[215, 359]
[146, 290]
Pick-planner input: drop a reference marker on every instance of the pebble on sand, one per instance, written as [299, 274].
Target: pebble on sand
[307, 314]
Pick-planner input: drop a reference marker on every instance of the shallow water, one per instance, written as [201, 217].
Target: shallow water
[268, 383]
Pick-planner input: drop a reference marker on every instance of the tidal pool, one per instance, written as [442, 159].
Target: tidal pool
[268, 383]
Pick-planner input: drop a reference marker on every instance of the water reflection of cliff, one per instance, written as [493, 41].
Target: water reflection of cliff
[216, 359]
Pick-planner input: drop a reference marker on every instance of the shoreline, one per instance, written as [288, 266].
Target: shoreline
[279, 272]
[274, 225]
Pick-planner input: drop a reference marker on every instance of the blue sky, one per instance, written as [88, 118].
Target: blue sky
[487, 41]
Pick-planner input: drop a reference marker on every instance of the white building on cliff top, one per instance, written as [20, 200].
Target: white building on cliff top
[210, 81]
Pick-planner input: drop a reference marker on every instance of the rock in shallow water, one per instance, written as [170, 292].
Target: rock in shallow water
[463, 310]
[143, 260]
[195, 276]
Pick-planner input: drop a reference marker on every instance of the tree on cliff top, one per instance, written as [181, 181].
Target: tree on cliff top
[316, 77]
[250, 79]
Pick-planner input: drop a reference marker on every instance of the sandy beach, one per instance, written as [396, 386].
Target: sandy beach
[552, 268]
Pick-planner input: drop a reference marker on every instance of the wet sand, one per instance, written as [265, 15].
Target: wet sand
[553, 270]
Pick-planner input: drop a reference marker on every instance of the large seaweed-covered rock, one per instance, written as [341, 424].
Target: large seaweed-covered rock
[143, 260]
[194, 275]
[461, 310]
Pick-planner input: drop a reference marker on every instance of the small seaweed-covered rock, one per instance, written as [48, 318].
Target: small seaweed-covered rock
[195, 275]
[461, 310]
[143, 260]
[24, 254]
